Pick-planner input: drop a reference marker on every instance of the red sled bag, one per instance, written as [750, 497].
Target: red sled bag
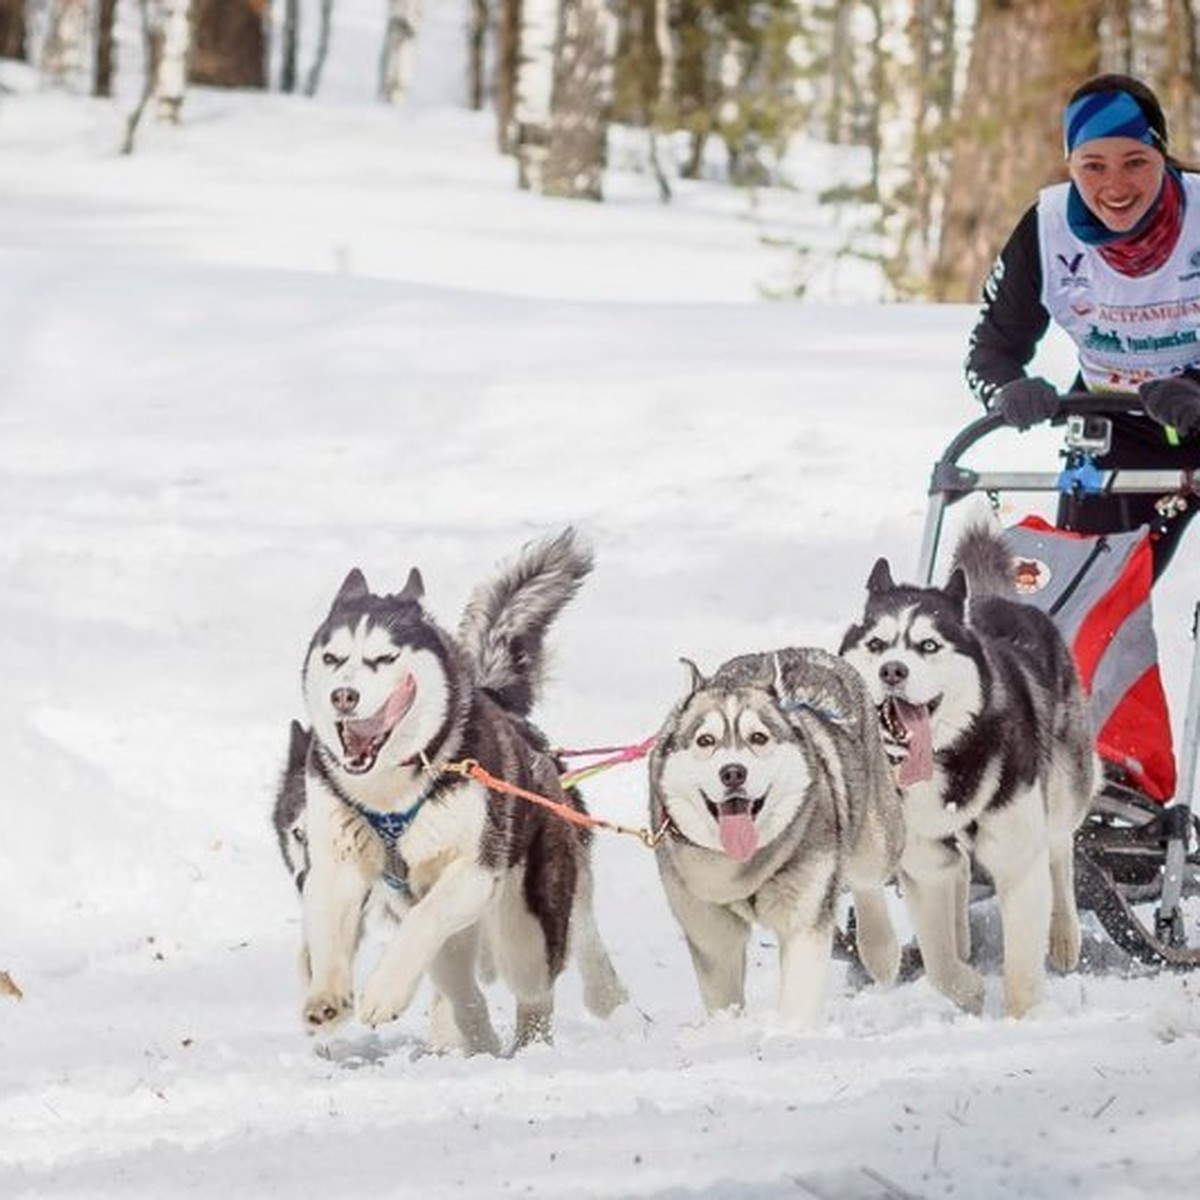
[1097, 589]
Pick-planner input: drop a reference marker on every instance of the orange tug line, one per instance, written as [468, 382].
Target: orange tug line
[470, 767]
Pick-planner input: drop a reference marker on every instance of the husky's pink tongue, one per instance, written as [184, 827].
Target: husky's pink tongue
[739, 837]
[917, 765]
[360, 734]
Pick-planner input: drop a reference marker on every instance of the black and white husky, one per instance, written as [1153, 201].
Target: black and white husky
[981, 705]
[472, 874]
[774, 791]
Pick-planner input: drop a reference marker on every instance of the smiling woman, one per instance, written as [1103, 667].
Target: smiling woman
[1110, 257]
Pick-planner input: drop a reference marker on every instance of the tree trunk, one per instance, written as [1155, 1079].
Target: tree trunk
[914, 102]
[289, 44]
[1027, 58]
[323, 40]
[152, 39]
[535, 88]
[575, 158]
[229, 43]
[62, 57]
[13, 31]
[399, 45]
[508, 59]
[477, 29]
[106, 48]
[1180, 86]
[171, 82]
[692, 86]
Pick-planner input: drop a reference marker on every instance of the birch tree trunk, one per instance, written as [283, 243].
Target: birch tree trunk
[581, 102]
[63, 51]
[399, 46]
[13, 30]
[535, 89]
[324, 36]
[915, 98]
[1027, 57]
[171, 84]
[663, 108]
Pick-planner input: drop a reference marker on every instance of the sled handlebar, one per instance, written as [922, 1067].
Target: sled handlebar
[1071, 404]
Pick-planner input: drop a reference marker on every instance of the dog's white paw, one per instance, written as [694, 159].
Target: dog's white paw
[1065, 941]
[880, 954]
[963, 985]
[382, 1000]
[324, 1010]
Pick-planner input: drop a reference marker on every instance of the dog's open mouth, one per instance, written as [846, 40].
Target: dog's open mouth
[907, 737]
[735, 824]
[362, 739]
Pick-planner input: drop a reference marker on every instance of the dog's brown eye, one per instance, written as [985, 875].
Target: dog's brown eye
[758, 738]
[706, 741]
[876, 645]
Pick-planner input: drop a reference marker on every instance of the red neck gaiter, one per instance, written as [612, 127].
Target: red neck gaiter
[1151, 246]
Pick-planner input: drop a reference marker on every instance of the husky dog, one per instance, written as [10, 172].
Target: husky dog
[982, 706]
[393, 699]
[288, 814]
[770, 781]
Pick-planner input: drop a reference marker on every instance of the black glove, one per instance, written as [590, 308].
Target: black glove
[1024, 402]
[1173, 402]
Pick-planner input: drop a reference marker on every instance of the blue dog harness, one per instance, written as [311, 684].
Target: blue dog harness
[390, 827]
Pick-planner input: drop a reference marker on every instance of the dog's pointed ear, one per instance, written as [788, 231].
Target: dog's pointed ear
[956, 590]
[414, 588]
[354, 588]
[695, 676]
[880, 579]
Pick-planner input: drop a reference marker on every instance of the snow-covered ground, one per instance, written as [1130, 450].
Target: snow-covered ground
[296, 336]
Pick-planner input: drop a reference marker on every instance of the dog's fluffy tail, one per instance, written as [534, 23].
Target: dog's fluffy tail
[503, 628]
[985, 558]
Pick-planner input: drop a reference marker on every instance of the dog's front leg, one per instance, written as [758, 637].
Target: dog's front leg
[332, 903]
[460, 1013]
[457, 899]
[716, 937]
[804, 956]
[1012, 846]
[878, 946]
[931, 879]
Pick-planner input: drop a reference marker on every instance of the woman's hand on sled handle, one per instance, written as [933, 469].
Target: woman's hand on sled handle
[1025, 402]
[1173, 402]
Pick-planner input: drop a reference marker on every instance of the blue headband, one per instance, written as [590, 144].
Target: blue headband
[1108, 114]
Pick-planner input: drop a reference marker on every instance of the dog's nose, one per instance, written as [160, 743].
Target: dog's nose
[344, 700]
[893, 673]
[732, 776]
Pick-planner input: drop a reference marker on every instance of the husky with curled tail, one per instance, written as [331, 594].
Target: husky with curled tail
[770, 782]
[470, 875]
[981, 706]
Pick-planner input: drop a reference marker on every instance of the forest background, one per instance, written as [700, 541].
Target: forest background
[954, 105]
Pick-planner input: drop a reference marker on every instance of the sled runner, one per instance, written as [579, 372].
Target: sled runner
[1136, 858]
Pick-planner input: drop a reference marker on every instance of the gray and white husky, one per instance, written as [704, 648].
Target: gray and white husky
[772, 784]
[470, 873]
[981, 704]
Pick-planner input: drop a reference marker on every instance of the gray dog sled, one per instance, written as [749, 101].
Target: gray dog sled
[1136, 857]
